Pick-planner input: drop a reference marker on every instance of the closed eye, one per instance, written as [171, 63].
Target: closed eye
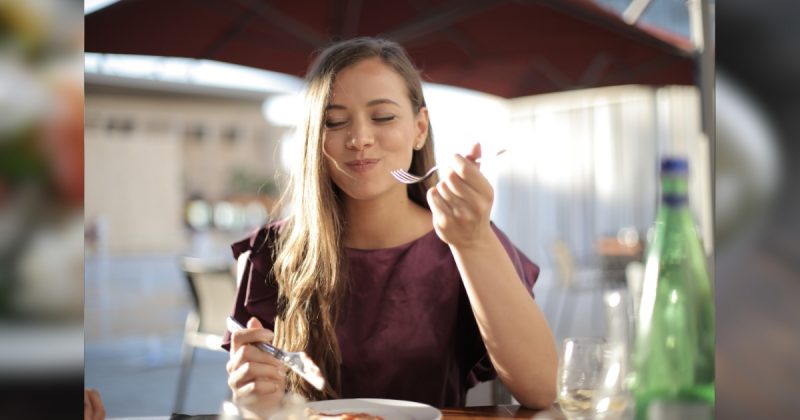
[384, 119]
[334, 124]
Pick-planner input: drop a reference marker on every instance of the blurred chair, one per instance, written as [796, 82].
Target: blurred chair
[573, 280]
[212, 288]
[617, 252]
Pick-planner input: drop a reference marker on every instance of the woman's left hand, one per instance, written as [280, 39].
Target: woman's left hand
[93, 408]
[461, 202]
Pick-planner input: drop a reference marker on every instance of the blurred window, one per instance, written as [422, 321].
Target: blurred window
[230, 135]
[196, 133]
[198, 214]
[93, 121]
[255, 214]
[228, 216]
[119, 125]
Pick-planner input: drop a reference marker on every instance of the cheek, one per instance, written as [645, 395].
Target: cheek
[332, 147]
[399, 138]
[328, 141]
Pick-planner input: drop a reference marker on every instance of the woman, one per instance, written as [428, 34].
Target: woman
[395, 291]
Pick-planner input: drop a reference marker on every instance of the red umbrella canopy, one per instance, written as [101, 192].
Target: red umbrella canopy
[507, 48]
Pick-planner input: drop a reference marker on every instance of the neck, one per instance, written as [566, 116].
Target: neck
[384, 222]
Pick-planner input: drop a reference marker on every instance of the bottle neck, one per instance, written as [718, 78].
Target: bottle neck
[674, 189]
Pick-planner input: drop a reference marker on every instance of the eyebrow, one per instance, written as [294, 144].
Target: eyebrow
[370, 103]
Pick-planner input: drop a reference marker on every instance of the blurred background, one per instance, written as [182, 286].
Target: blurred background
[41, 208]
[189, 137]
[183, 156]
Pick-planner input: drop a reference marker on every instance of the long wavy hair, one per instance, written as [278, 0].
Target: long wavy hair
[310, 268]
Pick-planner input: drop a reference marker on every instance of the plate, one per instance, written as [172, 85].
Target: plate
[388, 409]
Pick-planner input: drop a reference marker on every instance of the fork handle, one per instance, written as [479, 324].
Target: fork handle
[498, 153]
[234, 325]
[274, 352]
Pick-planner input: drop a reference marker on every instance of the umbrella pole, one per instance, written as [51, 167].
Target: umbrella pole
[703, 40]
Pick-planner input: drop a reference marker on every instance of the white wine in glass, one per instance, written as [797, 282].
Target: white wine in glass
[580, 371]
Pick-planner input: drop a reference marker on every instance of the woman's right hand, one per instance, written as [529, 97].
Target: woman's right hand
[256, 379]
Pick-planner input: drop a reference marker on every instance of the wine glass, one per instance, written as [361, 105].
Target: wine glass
[611, 400]
[580, 370]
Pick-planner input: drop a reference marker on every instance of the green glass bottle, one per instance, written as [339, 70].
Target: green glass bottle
[674, 349]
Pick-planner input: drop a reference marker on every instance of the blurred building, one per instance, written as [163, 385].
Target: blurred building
[153, 148]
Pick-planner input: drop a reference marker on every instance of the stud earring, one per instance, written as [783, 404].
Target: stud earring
[418, 147]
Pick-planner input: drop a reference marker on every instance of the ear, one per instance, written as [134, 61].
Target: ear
[421, 124]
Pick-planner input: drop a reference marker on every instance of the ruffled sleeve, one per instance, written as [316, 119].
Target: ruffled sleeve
[528, 271]
[257, 293]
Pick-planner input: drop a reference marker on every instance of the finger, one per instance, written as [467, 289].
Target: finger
[98, 410]
[237, 359]
[478, 203]
[251, 354]
[473, 203]
[438, 205]
[474, 153]
[254, 333]
[460, 188]
[250, 372]
[253, 322]
[236, 380]
[470, 173]
[459, 207]
[259, 388]
[240, 339]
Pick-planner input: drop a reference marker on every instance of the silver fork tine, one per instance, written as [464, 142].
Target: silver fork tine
[406, 177]
[400, 175]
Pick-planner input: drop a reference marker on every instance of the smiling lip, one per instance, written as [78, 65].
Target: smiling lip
[362, 165]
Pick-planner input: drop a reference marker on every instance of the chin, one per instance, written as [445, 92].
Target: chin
[366, 191]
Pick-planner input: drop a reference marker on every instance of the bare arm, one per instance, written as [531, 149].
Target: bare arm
[513, 327]
[511, 324]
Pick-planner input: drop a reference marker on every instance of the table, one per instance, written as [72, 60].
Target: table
[498, 412]
[466, 413]
[616, 255]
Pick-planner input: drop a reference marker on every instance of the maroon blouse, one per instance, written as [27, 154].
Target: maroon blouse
[406, 331]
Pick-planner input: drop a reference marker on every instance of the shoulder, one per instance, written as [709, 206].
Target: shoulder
[259, 241]
[257, 267]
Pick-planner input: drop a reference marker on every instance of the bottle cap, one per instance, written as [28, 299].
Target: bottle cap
[674, 165]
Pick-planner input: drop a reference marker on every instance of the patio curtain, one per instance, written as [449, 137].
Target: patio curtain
[586, 165]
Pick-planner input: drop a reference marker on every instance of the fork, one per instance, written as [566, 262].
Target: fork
[407, 178]
[297, 361]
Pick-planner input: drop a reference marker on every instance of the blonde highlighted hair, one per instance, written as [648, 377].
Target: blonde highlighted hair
[310, 268]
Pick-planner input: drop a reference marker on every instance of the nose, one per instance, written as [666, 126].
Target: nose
[360, 136]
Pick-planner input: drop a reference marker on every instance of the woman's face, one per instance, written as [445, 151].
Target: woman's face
[370, 129]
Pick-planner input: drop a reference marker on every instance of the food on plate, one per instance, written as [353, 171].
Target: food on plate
[316, 415]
